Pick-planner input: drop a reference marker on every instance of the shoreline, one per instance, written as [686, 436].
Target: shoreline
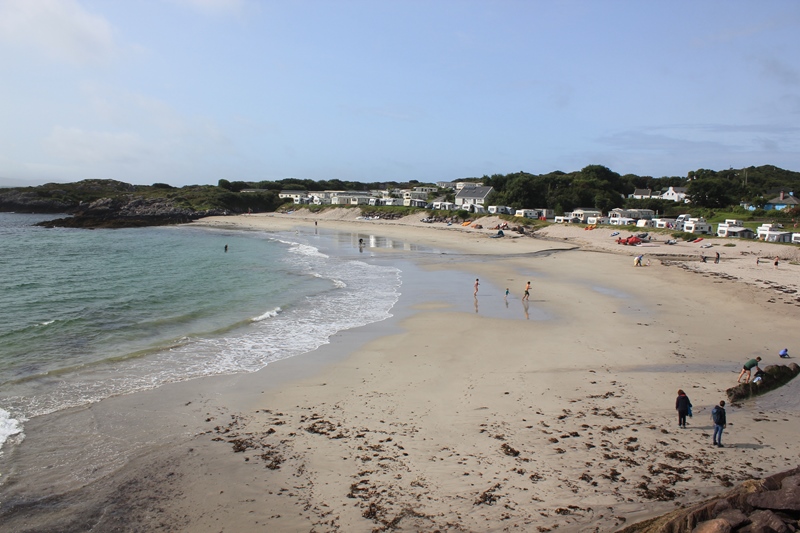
[445, 418]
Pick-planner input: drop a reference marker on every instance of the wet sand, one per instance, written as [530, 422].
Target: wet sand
[455, 416]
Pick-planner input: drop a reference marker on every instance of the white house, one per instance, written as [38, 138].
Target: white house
[676, 194]
[642, 194]
[472, 196]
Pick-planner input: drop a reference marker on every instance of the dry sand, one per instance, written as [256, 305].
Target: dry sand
[456, 421]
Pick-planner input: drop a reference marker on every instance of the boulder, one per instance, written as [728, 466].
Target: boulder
[715, 525]
[765, 522]
[785, 499]
[774, 376]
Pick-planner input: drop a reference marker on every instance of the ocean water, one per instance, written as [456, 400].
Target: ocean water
[87, 314]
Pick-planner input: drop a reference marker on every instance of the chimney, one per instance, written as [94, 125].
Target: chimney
[781, 196]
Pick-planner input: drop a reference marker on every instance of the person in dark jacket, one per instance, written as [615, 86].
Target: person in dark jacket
[720, 422]
[683, 405]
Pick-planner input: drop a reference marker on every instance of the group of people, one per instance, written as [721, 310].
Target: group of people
[684, 406]
[525, 296]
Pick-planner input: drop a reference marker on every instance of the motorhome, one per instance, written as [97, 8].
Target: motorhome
[697, 226]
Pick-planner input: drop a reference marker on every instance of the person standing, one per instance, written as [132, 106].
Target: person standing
[476, 287]
[720, 422]
[748, 366]
[716, 259]
[683, 405]
[776, 262]
[527, 294]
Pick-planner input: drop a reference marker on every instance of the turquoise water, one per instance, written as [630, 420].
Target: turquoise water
[86, 314]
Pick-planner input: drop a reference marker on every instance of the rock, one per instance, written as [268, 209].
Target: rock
[774, 376]
[716, 525]
[734, 517]
[787, 499]
[743, 509]
[765, 522]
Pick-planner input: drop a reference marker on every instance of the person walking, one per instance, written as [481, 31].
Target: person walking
[748, 366]
[527, 294]
[683, 406]
[720, 422]
[716, 259]
[476, 287]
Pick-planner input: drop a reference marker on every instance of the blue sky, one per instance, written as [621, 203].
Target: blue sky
[192, 91]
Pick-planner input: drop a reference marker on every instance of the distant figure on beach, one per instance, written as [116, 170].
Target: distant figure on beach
[527, 294]
[784, 353]
[683, 406]
[776, 262]
[716, 259]
[720, 422]
[748, 366]
[476, 287]
[703, 258]
[226, 248]
[758, 261]
[637, 261]
[506, 292]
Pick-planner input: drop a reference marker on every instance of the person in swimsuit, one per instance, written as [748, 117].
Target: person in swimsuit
[476, 287]
[527, 294]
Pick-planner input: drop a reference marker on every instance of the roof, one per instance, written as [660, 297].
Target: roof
[642, 192]
[787, 200]
[474, 192]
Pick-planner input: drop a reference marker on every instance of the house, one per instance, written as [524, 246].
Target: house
[468, 196]
[466, 184]
[697, 226]
[642, 194]
[583, 213]
[676, 194]
[782, 201]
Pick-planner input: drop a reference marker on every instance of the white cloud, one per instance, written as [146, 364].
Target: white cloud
[61, 29]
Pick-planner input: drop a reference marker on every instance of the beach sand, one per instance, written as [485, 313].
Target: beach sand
[448, 419]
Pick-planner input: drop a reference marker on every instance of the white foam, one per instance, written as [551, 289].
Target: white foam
[269, 314]
[8, 426]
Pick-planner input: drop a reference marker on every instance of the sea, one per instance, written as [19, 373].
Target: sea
[89, 314]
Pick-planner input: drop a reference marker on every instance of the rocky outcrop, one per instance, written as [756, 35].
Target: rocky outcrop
[129, 213]
[764, 506]
[774, 376]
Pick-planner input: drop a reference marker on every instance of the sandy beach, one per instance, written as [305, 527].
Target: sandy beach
[449, 419]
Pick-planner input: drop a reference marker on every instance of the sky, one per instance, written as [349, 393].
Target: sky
[193, 91]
